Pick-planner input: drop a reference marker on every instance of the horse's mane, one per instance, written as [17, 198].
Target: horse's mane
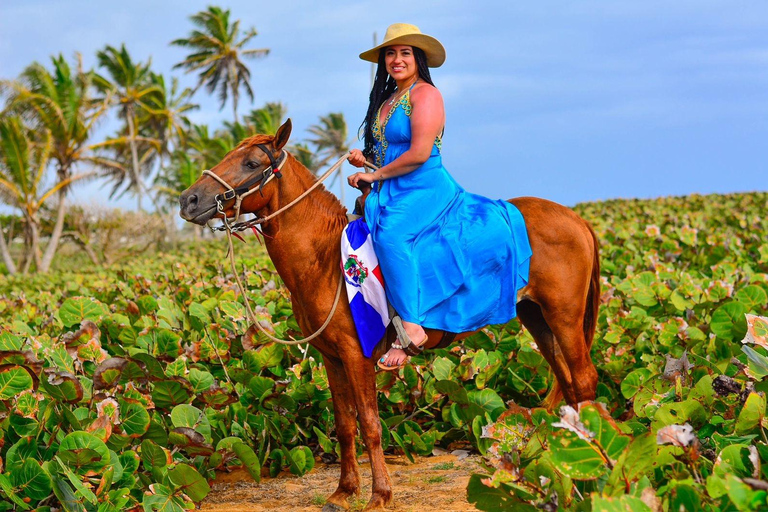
[255, 139]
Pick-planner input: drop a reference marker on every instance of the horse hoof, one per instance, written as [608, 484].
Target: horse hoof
[332, 507]
[378, 503]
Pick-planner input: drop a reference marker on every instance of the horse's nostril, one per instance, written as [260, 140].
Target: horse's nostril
[191, 202]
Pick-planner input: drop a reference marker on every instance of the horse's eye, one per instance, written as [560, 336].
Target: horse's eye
[251, 164]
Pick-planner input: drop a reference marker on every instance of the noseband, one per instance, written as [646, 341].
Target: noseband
[244, 190]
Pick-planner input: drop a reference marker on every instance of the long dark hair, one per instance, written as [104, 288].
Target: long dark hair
[383, 87]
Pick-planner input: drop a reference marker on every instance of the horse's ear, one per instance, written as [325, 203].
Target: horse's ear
[282, 135]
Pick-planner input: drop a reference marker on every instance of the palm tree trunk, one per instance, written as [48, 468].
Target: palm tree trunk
[35, 232]
[9, 265]
[234, 104]
[58, 228]
[31, 246]
[134, 155]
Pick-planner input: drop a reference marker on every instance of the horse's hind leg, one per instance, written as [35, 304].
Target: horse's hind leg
[345, 415]
[532, 318]
[571, 349]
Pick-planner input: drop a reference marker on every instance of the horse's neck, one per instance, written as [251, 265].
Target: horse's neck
[303, 241]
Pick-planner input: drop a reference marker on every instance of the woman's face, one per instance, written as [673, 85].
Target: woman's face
[400, 62]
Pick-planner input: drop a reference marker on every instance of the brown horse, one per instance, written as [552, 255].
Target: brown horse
[558, 306]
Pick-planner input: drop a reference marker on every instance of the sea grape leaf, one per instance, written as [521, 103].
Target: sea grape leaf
[728, 321]
[620, 504]
[492, 499]
[456, 393]
[751, 414]
[488, 400]
[635, 461]
[249, 459]
[14, 379]
[187, 480]
[153, 455]
[9, 341]
[753, 297]
[77, 483]
[149, 364]
[200, 380]
[24, 448]
[758, 363]
[66, 495]
[192, 441]
[85, 452]
[168, 393]
[680, 412]
[736, 459]
[442, 368]
[31, 480]
[162, 499]
[606, 434]
[134, 419]
[634, 381]
[107, 374]
[301, 460]
[63, 386]
[76, 309]
[167, 344]
[575, 457]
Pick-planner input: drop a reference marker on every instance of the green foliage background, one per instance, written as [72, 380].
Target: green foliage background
[128, 387]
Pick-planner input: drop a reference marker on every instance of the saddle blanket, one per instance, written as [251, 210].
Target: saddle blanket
[365, 285]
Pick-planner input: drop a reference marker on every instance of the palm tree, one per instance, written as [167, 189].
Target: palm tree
[167, 113]
[217, 54]
[268, 118]
[62, 103]
[305, 156]
[131, 86]
[23, 167]
[209, 150]
[331, 141]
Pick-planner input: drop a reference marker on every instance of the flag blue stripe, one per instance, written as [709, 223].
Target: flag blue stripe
[368, 323]
[357, 231]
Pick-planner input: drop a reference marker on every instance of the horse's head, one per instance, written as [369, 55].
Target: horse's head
[244, 166]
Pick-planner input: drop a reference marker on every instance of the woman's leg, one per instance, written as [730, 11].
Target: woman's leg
[395, 357]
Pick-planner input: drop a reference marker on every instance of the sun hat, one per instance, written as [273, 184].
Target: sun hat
[407, 34]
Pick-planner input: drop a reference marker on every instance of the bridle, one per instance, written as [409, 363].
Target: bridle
[247, 188]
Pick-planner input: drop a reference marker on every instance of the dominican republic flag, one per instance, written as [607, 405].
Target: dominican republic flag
[365, 286]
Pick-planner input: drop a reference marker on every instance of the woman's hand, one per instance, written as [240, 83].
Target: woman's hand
[361, 179]
[356, 158]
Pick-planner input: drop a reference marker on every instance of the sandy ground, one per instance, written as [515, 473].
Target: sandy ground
[431, 484]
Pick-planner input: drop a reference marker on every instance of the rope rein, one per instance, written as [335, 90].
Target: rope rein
[252, 223]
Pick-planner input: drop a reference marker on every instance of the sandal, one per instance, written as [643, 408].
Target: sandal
[412, 349]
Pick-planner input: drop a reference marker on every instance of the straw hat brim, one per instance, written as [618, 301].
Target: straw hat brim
[432, 48]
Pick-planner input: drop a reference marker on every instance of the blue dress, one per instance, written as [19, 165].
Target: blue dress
[451, 260]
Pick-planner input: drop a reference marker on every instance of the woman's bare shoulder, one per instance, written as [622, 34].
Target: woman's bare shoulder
[426, 92]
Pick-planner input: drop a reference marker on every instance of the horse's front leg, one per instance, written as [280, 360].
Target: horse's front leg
[361, 374]
[344, 411]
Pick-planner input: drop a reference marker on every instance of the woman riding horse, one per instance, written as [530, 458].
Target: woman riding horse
[451, 260]
[303, 224]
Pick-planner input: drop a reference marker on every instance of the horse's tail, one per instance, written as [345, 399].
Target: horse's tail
[590, 316]
[593, 296]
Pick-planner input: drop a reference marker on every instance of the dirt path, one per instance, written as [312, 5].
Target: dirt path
[431, 484]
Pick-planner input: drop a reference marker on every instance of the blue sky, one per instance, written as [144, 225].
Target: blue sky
[573, 102]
